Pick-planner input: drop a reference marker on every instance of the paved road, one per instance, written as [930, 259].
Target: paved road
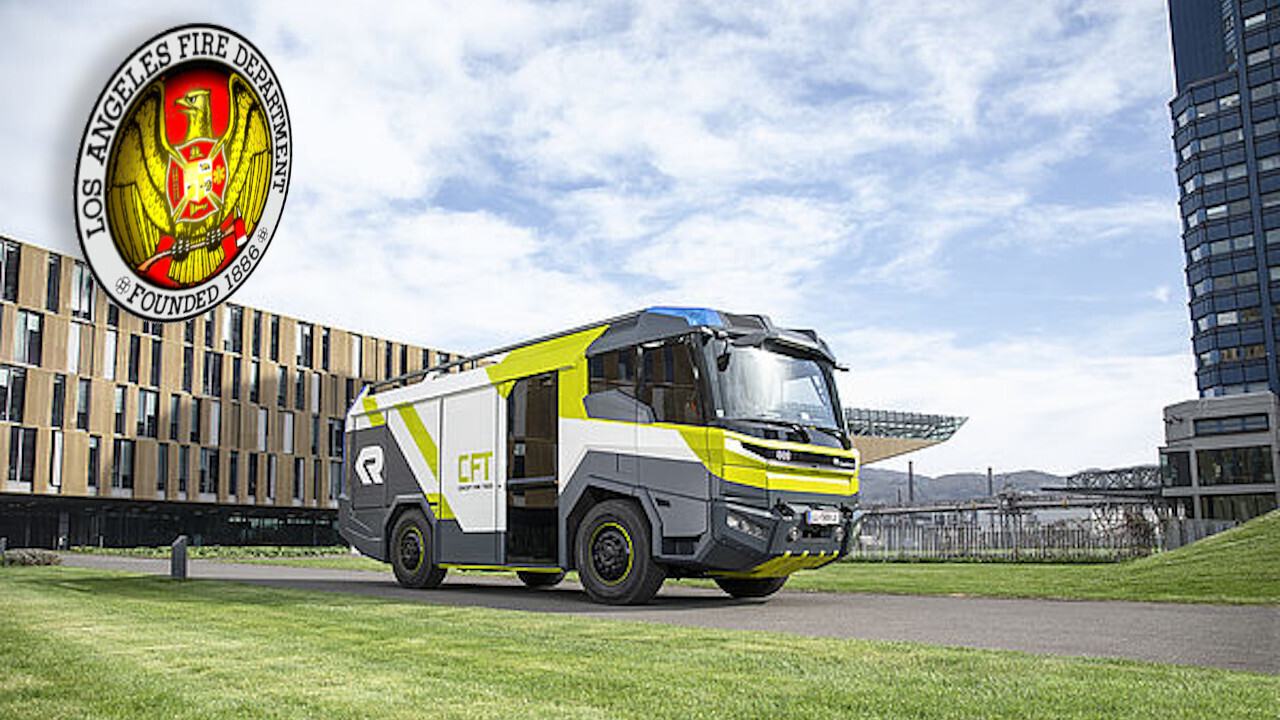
[1236, 638]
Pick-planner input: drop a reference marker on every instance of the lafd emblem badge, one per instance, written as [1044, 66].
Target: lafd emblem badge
[182, 173]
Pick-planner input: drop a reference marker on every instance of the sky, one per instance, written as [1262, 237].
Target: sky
[973, 202]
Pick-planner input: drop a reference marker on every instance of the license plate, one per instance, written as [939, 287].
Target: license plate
[823, 517]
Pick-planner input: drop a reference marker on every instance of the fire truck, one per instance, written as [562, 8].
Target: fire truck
[668, 442]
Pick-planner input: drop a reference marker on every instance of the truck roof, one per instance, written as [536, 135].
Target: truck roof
[650, 325]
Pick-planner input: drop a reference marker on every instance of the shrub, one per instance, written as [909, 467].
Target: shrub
[26, 556]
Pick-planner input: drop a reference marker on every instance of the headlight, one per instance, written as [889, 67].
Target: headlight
[744, 525]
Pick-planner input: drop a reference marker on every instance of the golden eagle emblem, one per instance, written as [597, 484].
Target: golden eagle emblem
[182, 197]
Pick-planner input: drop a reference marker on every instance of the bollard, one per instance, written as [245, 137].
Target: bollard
[178, 558]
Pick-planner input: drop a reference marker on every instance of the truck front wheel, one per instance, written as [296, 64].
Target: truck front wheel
[614, 561]
[411, 552]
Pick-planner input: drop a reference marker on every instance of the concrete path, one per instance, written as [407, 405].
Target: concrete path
[1223, 636]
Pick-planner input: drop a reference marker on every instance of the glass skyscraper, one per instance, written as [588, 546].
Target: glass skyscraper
[1220, 453]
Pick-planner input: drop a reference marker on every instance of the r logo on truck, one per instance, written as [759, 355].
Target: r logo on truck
[369, 465]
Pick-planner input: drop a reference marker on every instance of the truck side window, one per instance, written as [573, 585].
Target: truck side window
[614, 370]
[669, 383]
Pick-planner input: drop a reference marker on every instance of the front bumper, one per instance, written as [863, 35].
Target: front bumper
[777, 542]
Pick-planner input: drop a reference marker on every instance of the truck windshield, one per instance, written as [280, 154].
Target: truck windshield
[756, 384]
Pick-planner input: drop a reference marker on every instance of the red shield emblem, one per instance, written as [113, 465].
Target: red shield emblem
[196, 187]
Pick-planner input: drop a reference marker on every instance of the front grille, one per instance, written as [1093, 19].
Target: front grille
[802, 457]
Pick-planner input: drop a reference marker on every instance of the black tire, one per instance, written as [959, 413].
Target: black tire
[540, 579]
[751, 587]
[615, 564]
[410, 552]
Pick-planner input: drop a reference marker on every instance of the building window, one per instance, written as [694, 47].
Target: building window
[286, 432]
[188, 367]
[53, 286]
[271, 477]
[156, 362]
[235, 377]
[251, 479]
[275, 338]
[315, 481]
[1237, 507]
[113, 314]
[300, 389]
[174, 414]
[153, 328]
[122, 464]
[255, 377]
[95, 455]
[135, 357]
[83, 390]
[73, 347]
[233, 474]
[22, 454]
[119, 405]
[9, 257]
[212, 374]
[208, 471]
[357, 344]
[162, 469]
[59, 405]
[1233, 424]
[189, 331]
[335, 480]
[233, 329]
[315, 392]
[184, 468]
[27, 334]
[13, 393]
[55, 461]
[209, 319]
[304, 342]
[215, 423]
[404, 359]
[282, 387]
[109, 355]
[195, 420]
[298, 479]
[148, 413]
[315, 434]
[262, 429]
[257, 333]
[388, 356]
[324, 348]
[81, 291]
[335, 437]
[1235, 466]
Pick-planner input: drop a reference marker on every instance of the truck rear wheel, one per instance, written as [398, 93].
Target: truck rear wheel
[751, 587]
[540, 579]
[411, 552]
[613, 553]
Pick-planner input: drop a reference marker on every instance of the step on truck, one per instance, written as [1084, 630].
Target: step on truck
[669, 442]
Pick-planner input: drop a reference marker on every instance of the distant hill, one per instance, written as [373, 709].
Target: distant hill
[882, 487]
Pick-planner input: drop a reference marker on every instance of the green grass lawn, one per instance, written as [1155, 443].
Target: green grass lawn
[78, 643]
[1239, 566]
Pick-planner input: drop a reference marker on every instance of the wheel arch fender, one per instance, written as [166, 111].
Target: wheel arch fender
[399, 506]
[574, 507]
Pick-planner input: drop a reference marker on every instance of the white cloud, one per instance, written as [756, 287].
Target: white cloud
[1032, 403]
